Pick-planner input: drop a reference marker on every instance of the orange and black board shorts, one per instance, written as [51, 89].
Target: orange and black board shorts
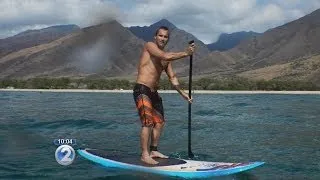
[149, 105]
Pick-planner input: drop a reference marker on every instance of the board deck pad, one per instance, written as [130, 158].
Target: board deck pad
[167, 167]
[133, 159]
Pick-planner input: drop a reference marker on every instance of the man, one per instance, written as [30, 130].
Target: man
[154, 60]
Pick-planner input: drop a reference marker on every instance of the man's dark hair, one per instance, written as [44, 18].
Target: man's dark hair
[162, 27]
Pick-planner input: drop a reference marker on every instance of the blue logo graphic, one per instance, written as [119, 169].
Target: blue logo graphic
[65, 155]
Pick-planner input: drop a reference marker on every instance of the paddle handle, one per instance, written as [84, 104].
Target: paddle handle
[190, 154]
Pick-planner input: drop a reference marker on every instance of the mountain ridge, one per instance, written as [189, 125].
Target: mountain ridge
[112, 50]
[229, 41]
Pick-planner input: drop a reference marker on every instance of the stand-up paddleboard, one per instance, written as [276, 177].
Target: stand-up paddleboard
[168, 167]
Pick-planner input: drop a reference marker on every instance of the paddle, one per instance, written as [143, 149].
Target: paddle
[190, 154]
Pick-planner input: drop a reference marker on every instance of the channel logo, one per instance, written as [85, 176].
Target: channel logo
[65, 155]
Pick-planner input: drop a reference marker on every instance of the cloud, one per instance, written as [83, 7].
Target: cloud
[19, 15]
[206, 19]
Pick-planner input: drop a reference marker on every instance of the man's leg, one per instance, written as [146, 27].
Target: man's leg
[158, 119]
[144, 140]
[156, 133]
[155, 136]
[144, 107]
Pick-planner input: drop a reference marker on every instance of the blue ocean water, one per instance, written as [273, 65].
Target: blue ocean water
[281, 130]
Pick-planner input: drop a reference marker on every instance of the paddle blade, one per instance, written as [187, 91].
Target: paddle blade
[190, 155]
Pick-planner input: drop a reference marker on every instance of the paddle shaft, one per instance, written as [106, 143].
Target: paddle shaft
[190, 154]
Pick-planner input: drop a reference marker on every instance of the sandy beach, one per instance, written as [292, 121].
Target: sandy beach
[162, 91]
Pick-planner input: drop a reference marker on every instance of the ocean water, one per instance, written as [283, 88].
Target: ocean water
[281, 130]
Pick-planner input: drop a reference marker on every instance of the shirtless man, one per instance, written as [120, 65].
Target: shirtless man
[154, 60]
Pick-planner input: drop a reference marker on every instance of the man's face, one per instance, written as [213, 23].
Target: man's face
[162, 38]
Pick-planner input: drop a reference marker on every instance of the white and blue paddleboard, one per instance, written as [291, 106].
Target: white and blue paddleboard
[168, 167]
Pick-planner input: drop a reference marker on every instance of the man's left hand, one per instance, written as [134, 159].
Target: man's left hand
[186, 97]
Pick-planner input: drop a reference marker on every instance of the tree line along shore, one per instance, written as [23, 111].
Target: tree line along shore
[234, 83]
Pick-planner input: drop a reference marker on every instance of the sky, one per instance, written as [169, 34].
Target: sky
[206, 19]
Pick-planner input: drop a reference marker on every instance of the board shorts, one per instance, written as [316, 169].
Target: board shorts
[149, 105]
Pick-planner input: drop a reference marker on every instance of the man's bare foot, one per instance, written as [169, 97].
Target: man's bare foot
[157, 154]
[148, 160]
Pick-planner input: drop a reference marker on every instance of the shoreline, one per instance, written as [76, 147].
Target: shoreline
[163, 91]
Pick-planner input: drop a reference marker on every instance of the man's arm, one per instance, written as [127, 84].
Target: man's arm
[174, 81]
[167, 56]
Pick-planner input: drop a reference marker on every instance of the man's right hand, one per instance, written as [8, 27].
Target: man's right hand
[190, 49]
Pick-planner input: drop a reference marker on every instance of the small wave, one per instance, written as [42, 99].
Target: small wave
[206, 113]
[239, 104]
[79, 123]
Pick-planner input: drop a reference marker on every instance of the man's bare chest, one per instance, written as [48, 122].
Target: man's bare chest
[159, 64]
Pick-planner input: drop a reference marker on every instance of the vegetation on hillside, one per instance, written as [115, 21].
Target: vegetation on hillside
[234, 83]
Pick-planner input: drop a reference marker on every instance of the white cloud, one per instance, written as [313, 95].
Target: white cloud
[206, 19]
[18, 15]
